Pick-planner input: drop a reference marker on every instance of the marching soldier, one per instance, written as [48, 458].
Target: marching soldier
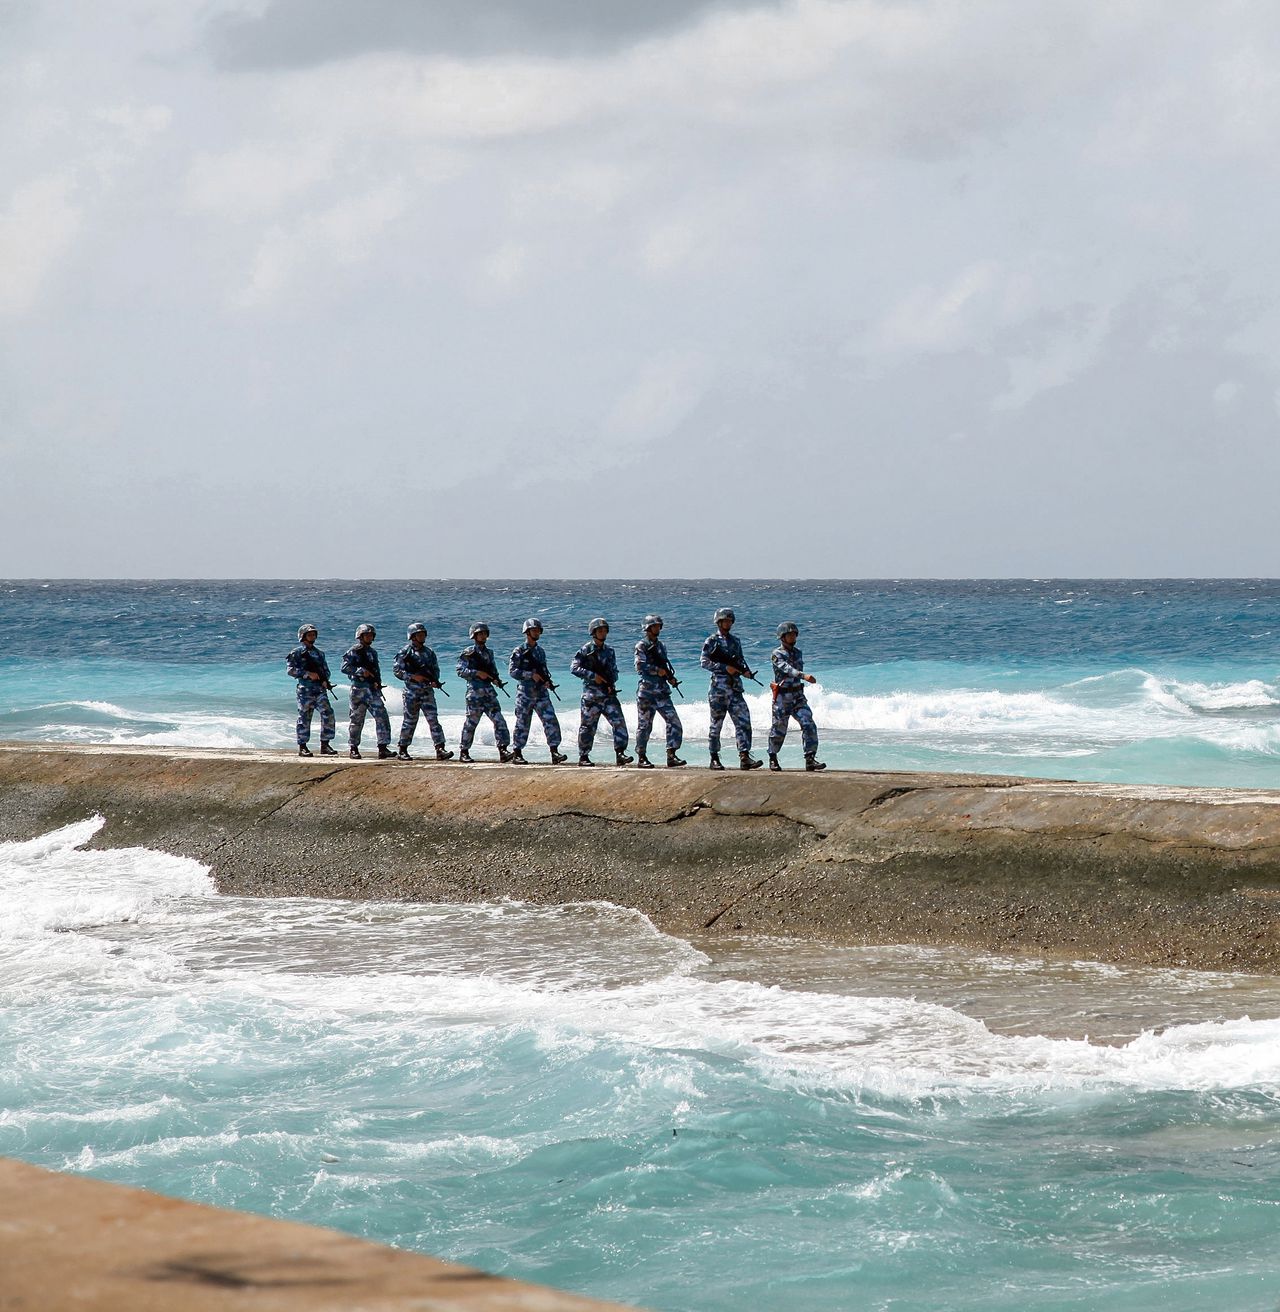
[789, 701]
[360, 665]
[653, 695]
[307, 664]
[480, 671]
[418, 666]
[722, 656]
[597, 666]
[528, 666]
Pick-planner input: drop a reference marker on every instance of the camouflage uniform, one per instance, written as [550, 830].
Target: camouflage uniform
[360, 665]
[531, 696]
[588, 661]
[482, 696]
[725, 696]
[653, 695]
[419, 698]
[300, 662]
[789, 702]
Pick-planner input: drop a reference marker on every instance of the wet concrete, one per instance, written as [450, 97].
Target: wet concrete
[1127, 874]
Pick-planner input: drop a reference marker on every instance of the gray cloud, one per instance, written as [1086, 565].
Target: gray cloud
[298, 33]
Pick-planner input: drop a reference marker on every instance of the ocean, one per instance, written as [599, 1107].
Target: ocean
[570, 1096]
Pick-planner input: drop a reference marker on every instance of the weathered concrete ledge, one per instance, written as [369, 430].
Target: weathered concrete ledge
[1163, 876]
[69, 1243]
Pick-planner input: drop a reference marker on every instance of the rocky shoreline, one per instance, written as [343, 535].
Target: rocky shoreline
[1116, 873]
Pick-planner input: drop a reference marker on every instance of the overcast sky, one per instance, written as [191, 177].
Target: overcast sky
[415, 288]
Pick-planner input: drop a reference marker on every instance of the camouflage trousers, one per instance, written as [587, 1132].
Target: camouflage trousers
[420, 699]
[792, 706]
[531, 698]
[651, 701]
[484, 701]
[364, 700]
[312, 697]
[594, 705]
[723, 701]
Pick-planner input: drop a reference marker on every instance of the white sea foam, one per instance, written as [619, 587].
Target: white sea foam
[167, 951]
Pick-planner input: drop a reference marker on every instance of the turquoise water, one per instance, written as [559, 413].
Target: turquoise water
[570, 1096]
[1146, 681]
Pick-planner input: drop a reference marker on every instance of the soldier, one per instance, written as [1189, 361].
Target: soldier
[722, 655]
[597, 666]
[360, 665]
[789, 701]
[307, 664]
[653, 694]
[528, 666]
[417, 665]
[477, 666]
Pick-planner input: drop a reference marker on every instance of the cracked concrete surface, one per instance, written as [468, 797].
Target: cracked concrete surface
[1112, 872]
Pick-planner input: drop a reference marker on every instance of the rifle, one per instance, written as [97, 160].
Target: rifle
[541, 671]
[493, 678]
[669, 672]
[743, 671]
[593, 662]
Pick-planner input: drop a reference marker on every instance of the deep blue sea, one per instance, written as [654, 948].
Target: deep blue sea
[1138, 680]
[570, 1096]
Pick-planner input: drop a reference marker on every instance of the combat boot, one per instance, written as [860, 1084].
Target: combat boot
[385, 753]
[673, 760]
[354, 753]
[715, 762]
[643, 762]
[444, 754]
[811, 762]
[748, 762]
[403, 755]
[585, 760]
[620, 757]
[517, 757]
[773, 761]
[557, 758]
[304, 750]
[464, 757]
[327, 750]
[503, 755]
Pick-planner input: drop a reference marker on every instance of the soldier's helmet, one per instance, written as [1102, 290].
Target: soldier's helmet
[531, 624]
[788, 627]
[599, 623]
[366, 628]
[305, 629]
[651, 620]
[724, 613]
[478, 629]
[417, 628]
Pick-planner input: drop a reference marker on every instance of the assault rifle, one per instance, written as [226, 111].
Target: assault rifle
[668, 671]
[526, 663]
[743, 671]
[493, 678]
[593, 662]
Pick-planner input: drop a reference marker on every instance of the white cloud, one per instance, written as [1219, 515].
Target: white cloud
[255, 178]
[37, 228]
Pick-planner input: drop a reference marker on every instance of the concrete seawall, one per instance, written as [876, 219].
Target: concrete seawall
[1120, 873]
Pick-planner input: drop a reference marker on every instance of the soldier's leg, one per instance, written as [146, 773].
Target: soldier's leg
[718, 700]
[328, 725]
[432, 716]
[501, 734]
[589, 717]
[808, 729]
[645, 706]
[741, 716]
[409, 722]
[523, 717]
[778, 725]
[675, 730]
[356, 714]
[472, 720]
[306, 704]
[381, 720]
[613, 713]
[550, 721]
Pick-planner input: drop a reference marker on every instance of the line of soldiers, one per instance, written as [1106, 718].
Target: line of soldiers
[595, 663]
